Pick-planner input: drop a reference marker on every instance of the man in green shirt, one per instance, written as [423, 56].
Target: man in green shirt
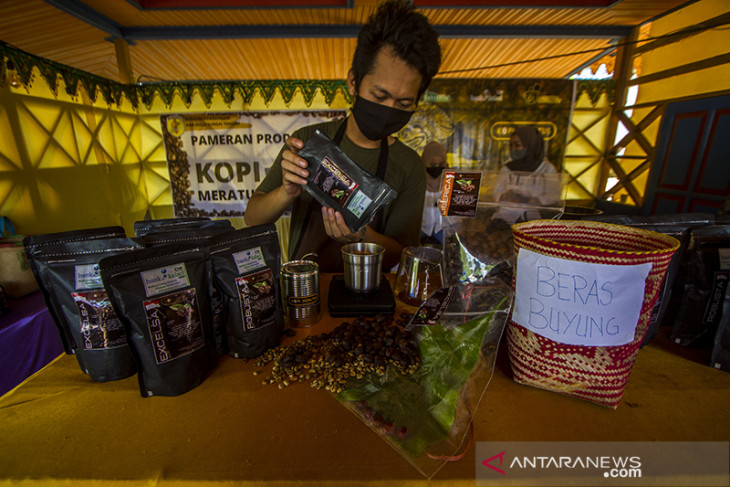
[396, 57]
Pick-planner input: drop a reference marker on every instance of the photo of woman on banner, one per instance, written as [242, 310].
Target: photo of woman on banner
[528, 186]
[434, 158]
[396, 57]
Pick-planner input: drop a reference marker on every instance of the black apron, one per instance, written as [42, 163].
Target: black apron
[314, 238]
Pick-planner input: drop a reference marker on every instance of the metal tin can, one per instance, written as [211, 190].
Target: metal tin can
[300, 289]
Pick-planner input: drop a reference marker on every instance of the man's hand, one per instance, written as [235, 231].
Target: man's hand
[293, 168]
[337, 229]
[268, 207]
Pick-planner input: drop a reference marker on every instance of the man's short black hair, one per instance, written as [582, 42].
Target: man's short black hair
[396, 24]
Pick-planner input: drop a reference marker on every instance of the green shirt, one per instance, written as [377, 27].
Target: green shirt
[405, 173]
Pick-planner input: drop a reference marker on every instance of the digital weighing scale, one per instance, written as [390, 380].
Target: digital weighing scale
[343, 302]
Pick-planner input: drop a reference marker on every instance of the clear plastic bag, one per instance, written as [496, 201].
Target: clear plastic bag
[476, 248]
[427, 415]
[479, 208]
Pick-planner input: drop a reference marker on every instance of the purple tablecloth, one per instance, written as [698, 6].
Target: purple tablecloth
[28, 340]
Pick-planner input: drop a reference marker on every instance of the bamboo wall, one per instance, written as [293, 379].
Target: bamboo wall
[676, 68]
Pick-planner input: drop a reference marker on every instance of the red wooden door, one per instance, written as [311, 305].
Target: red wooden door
[691, 170]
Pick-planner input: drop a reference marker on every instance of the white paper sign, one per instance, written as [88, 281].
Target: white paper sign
[578, 303]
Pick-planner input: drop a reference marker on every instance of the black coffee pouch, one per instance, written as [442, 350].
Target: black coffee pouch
[702, 306]
[720, 358]
[199, 236]
[143, 227]
[338, 182]
[246, 266]
[161, 296]
[34, 246]
[71, 270]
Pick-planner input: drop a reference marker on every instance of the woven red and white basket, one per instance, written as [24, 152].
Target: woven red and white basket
[595, 373]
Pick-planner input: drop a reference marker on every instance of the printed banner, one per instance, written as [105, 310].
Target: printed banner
[217, 160]
[474, 118]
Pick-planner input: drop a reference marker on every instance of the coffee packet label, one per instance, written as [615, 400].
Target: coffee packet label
[87, 276]
[431, 310]
[337, 182]
[716, 298]
[164, 279]
[100, 328]
[334, 181]
[174, 324]
[249, 260]
[460, 193]
[258, 299]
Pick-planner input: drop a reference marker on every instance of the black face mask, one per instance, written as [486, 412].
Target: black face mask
[434, 171]
[377, 121]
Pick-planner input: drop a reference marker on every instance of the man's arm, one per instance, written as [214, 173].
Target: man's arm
[290, 169]
[266, 207]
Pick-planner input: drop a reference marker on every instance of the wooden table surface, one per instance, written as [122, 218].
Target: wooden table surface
[59, 427]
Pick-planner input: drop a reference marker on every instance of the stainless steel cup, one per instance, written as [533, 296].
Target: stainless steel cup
[363, 263]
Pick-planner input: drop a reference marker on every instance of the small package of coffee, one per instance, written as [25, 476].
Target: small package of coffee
[71, 271]
[246, 266]
[720, 358]
[34, 247]
[338, 182]
[161, 295]
[702, 307]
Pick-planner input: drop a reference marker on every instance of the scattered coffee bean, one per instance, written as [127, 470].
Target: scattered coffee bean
[353, 349]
